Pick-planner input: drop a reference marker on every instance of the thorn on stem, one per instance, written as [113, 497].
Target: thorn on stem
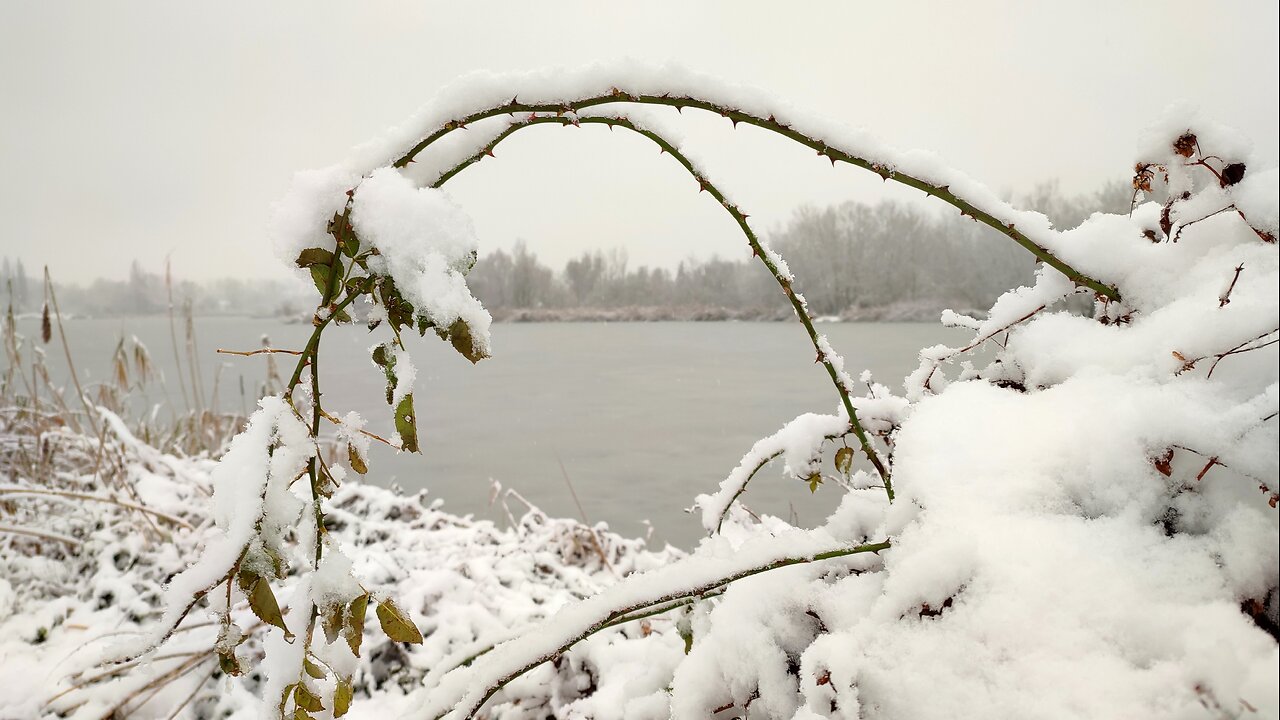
[1226, 296]
[1207, 467]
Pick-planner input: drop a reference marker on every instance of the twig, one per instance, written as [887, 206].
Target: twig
[40, 534]
[173, 335]
[1241, 348]
[1185, 225]
[978, 341]
[366, 433]
[18, 491]
[595, 539]
[1216, 460]
[250, 353]
[1226, 296]
[191, 696]
[66, 349]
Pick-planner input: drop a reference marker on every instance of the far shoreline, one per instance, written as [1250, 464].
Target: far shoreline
[902, 313]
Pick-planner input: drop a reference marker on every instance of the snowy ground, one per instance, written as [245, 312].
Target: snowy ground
[466, 583]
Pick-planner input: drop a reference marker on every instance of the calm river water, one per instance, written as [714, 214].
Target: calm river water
[643, 416]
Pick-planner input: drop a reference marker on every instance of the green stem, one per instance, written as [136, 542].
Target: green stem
[311, 356]
[771, 124]
[766, 256]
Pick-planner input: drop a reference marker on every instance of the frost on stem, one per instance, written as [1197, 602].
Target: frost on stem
[253, 508]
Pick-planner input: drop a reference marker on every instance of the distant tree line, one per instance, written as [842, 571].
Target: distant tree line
[147, 293]
[883, 261]
[16, 285]
[854, 260]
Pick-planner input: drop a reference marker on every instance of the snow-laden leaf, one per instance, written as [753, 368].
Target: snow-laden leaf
[355, 623]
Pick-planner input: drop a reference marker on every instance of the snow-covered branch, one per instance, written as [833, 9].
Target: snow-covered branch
[464, 691]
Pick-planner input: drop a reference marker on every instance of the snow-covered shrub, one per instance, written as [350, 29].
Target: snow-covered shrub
[96, 568]
[1084, 526]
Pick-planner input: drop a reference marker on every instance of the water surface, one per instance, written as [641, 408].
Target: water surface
[643, 416]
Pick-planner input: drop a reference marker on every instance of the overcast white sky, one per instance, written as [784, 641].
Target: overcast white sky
[140, 129]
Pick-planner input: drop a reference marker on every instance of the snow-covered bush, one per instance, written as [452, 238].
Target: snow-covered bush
[1084, 526]
[89, 568]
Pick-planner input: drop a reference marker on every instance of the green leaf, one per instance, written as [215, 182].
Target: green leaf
[469, 263]
[684, 628]
[383, 357]
[229, 664]
[313, 669]
[356, 285]
[326, 484]
[353, 458]
[320, 276]
[284, 699]
[332, 623]
[844, 460]
[814, 481]
[306, 699]
[355, 623]
[342, 698]
[263, 603]
[461, 339]
[392, 381]
[396, 625]
[399, 311]
[350, 245]
[314, 256]
[406, 424]
[300, 714]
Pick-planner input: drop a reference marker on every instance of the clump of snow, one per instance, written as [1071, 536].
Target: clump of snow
[425, 243]
[1255, 196]
[299, 219]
